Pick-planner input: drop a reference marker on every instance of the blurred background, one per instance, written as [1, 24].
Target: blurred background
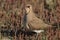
[12, 13]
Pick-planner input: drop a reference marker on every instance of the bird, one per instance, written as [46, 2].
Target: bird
[32, 21]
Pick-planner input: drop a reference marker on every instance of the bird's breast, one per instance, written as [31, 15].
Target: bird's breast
[30, 17]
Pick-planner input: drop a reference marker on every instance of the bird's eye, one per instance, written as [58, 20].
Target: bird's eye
[28, 6]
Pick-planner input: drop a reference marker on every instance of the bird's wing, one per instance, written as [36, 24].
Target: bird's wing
[37, 24]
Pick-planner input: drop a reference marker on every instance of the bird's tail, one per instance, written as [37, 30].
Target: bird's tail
[51, 27]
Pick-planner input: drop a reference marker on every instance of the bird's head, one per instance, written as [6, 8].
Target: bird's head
[28, 8]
